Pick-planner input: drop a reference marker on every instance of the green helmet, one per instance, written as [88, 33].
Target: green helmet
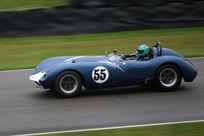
[143, 49]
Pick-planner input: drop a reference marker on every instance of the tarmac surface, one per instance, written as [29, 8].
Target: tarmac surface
[27, 109]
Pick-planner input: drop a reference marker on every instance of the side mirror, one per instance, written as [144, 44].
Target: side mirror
[114, 51]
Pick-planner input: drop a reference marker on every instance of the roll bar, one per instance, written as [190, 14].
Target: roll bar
[159, 48]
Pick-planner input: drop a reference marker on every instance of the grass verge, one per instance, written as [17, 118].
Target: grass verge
[27, 52]
[15, 5]
[185, 129]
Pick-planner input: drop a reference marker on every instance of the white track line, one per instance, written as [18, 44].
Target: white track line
[108, 128]
[18, 70]
[196, 58]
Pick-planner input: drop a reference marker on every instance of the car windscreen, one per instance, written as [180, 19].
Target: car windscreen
[114, 57]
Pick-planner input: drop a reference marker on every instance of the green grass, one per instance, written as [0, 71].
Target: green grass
[27, 52]
[188, 129]
[13, 5]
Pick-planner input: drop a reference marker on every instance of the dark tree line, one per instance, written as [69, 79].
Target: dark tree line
[103, 3]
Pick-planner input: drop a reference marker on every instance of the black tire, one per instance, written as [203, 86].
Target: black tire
[68, 84]
[168, 77]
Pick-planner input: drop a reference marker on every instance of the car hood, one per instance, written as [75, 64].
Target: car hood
[53, 62]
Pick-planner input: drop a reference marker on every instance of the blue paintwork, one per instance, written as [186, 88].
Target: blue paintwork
[133, 72]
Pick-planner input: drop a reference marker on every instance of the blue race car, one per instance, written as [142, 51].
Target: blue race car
[67, 75]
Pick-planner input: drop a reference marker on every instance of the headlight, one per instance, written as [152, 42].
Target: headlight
[44, 77]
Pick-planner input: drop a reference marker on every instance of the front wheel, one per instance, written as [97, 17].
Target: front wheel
[68, 84]
[168, 77]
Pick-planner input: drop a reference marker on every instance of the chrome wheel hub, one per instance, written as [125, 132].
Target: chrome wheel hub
[68, 83]
[168, 77]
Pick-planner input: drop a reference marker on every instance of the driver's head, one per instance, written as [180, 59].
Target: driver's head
[143, 50]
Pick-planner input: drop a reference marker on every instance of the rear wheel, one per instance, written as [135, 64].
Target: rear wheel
[168, 77]
[68, 84]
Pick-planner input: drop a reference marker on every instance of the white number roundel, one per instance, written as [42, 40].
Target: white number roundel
[100, 74]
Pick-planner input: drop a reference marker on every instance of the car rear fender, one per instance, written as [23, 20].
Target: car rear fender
[187, 69]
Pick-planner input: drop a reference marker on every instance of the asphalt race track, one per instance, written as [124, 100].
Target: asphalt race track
[26, 109]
